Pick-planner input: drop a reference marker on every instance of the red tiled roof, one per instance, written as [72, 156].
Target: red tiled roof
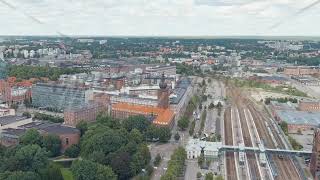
[164, 116]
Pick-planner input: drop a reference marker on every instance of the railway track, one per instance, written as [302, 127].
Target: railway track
[285, 164]
[255, 174]
[285, 167]
[230, 159]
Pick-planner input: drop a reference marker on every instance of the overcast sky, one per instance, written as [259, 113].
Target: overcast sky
[160, 17]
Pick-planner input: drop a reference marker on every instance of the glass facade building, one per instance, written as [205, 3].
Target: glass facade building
[57, 97]
[3, 69]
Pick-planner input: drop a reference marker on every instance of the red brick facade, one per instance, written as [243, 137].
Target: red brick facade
[315, 157]
[89, 114]
[309, 106]
[68, 139]
[300, 71]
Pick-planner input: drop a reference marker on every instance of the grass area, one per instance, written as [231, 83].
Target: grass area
[203, 121]
[67, 174]
[278, 89]
[295, 145]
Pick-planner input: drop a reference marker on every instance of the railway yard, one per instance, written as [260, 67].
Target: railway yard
[252, 127]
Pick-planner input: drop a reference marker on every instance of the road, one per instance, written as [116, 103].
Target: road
[166, 150]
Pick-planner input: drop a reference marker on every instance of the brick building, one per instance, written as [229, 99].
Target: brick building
[14, 93]
[163, 94]
[88, 113]
[161, 114]
[310, 106]
[68, 135]
[315, 156]
[301, 70]
[117, 82]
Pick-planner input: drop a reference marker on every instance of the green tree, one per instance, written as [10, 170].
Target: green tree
[209, 176]
[31, 158]
[157, 160]
[164, 134]
[26, 114]
[175, 165]
[52, 143]
[84, 170]
[136, 122]
[183, 123]
[105, 172]
[284, 127]
[19, 175]
[136, 136]
[32, 136]
[120, 163]
[73, 151]
[52, 172]
[211, 106]
[199, 175]
[177, 136]
[82, 126]
[201, 160]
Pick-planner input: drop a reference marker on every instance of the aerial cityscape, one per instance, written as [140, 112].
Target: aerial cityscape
[159, 90]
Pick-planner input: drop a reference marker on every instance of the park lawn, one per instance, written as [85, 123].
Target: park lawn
[67, 174]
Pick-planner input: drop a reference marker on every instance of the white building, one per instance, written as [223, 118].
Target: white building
[7, 112]
[103, 42]
[195, 146]
[25, 53]
[1, 55]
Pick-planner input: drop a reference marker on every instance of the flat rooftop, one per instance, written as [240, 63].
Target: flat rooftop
[5, 120]
[284, 106]
[49, 127]
[299, 117]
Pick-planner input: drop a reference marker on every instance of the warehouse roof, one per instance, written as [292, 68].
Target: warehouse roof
[5, 120]
[299, 117]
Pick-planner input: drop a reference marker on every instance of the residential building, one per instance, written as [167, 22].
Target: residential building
[301, 70]
[87, 113]
[309, 105]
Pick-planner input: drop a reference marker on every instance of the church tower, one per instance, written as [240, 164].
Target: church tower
[163, 94]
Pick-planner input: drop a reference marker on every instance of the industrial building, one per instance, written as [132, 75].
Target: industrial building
[298, 120]
[57, 96]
